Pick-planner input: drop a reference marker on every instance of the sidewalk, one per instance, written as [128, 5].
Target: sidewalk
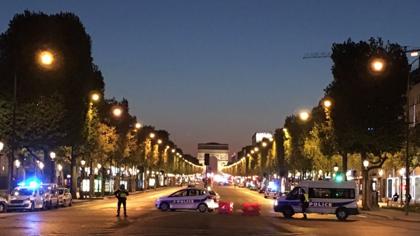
[394, 215]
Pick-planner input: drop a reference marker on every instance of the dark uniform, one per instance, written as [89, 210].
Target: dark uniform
[121, 195]
[304, 200]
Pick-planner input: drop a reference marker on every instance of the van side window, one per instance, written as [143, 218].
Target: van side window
[339, 193]
[294, 194]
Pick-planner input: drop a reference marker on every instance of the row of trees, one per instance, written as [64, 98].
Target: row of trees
[55, 103]
[361, 118]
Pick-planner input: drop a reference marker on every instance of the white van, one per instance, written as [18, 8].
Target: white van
[325, 197]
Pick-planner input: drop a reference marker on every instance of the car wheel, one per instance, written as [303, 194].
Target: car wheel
[288, 212]
[202, 208]
[164, 206]
[2, 207]
[341, 213]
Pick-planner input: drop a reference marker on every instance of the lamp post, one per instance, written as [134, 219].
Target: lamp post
[44, 58]
[378, 65]
[365, 172]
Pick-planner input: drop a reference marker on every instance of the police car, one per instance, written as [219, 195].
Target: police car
[325, 197]
[3, 205]
[189, 198]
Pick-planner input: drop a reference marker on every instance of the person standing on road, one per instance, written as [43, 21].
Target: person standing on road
[121, 195]
[304, 200]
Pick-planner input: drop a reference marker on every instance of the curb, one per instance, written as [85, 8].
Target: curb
[392, 217]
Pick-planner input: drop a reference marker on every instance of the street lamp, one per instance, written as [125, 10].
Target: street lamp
[41, 165]
[377, 65]
[327, 103]
[137, 125]
[365, 164]
[304, 115]
[44, 58]
[17, 163]
[117, 111]
[159, 141]
[152, 135]
[83, 162]
[95, 97]
[52, 155]
[59, 167]
[1, 146]
[264, 144]
[256, 149]
[335, 168]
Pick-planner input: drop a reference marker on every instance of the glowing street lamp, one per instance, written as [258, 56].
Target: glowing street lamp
[335, 167]
[304, 115]
[173, 150]
[41, 165]
[17, 163]
[264, 144]
[59, 167]
[327, 103]
[152, 135]
[159, 141]
[365, 164]
[137, 125]
[83, 162]
[99, 166]
[256, 149]
[95, 97]
[377, 65]
[46, 58]
[52, 155]
[117, 111]
[1, 146]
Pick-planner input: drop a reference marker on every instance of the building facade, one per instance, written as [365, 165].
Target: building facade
[219, 155]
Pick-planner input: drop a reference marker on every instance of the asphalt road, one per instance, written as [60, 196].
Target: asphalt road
[98, 218]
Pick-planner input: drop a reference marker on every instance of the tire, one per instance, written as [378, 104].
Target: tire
[288, 212]
[3, 208]
[164, 206]
[202, 208]
[341, 214]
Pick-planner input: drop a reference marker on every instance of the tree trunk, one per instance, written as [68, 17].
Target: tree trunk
[91, 181]
[366, 197]
[344, 164]
[103, 181]
[73, 167]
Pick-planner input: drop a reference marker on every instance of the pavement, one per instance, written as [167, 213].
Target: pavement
[98, 218]
[394, 215]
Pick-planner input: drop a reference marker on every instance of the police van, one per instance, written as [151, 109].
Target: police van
[325, 197]
[189, 198]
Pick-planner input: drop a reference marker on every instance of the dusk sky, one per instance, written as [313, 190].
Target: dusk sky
[221, 70]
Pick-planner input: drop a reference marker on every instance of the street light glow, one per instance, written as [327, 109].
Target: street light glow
[377, 65]
[414, 54]
[95, 97]
[59, 167]
[83, 162]
[304, 115]
[52, 155]
[117, 111]
[264, 144]
[152, 135]
[1, 146]
[365, 163]
[41, 165]
[46, 58]
[159, 141]
[17, 163]
[327, 103]
[138, 125]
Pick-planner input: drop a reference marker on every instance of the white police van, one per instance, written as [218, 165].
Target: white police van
[325, 197]
[189, 198]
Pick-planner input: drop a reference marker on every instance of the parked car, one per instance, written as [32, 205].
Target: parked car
[3, 205]
[64, 197]
[271, 193]
[26, 198]
[50, 198]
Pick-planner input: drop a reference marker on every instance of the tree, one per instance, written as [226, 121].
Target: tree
[368, 111]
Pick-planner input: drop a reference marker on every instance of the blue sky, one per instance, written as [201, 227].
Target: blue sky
[222, 70]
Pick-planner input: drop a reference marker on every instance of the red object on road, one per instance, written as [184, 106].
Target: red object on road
[225, 208]
[251, 209]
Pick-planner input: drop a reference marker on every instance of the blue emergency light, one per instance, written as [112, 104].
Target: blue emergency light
[31, 183]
